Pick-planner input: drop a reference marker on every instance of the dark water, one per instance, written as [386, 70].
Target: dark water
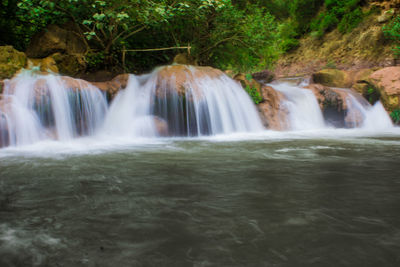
[202, 203]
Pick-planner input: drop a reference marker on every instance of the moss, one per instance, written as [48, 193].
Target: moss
[11, 60]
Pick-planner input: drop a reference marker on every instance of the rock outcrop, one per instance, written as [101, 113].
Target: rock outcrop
[11, 60]
[63, 46]
[333, 78]
[387, 84]
[112, 87]
[177, 79]
[273, 113]
[55, 39]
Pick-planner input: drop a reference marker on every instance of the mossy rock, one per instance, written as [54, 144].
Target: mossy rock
[333, 78]
[71, 65]
[11, 60]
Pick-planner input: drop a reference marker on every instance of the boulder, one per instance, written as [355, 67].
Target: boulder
[332, 104]
[361, 80]
[386, 82]
[70, 64]
[47, 64]
[184, 59]
[55, 39]
[264, 76]
[177, 79]
[386, 16]
[273, 114]
[333, 78]
[112, 87]
[11, 60]
[247, 81]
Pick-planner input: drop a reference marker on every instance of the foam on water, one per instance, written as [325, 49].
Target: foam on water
[42, 113]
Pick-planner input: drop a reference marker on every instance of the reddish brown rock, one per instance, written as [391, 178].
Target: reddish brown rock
[248, 82]
[112, 87]
[176, 79]
[161, 126]
[47, 64]
[387, 83]
[272, 113]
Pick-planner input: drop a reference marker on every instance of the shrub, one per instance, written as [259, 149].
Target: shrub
[254, 94]
[395, 115]
[392, 31]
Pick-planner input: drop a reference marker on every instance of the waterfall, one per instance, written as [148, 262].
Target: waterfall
[181, 101]
[364, 115]
[172, 101]
[303, 110]
[36, 107]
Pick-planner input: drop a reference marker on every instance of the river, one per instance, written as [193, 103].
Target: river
[326, 198]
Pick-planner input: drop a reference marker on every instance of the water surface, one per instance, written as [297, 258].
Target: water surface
[267, 201]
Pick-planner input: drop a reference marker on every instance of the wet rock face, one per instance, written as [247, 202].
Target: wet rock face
[4, 131]
[112, 87]
[332, 104]
[176, 79]
[272, 112]
[11, 60]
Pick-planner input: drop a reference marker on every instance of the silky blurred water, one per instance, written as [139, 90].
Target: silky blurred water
[261, 202]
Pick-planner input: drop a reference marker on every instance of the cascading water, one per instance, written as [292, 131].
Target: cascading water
[304, 112]
[37, 107]
[362, 114]
[182, 101]
[171, 101]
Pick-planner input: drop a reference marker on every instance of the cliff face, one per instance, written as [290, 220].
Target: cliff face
[364, 47]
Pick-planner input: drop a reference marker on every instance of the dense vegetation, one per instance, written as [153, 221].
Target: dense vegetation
[235, 34]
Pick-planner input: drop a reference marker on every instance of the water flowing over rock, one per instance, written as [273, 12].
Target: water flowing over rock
[38, 107]
[273, 112]
[304, 112]
[193, 101]
[345, 108]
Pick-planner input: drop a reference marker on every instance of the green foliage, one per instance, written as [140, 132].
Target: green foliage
[345, 15]
[395, 115]
[303, 11]
[372, 95]
[392, 31]
[330, 65]
[288, 36]
[242, 35]
[254, 94]
[94, 60]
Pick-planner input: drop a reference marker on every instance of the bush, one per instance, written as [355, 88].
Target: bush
[254, 94]
[395, 115]
[345, 15]
[392, 31]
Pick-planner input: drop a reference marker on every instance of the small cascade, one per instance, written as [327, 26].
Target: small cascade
[360, 113]
[304, 112]
[182, 101]
[37, 107]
